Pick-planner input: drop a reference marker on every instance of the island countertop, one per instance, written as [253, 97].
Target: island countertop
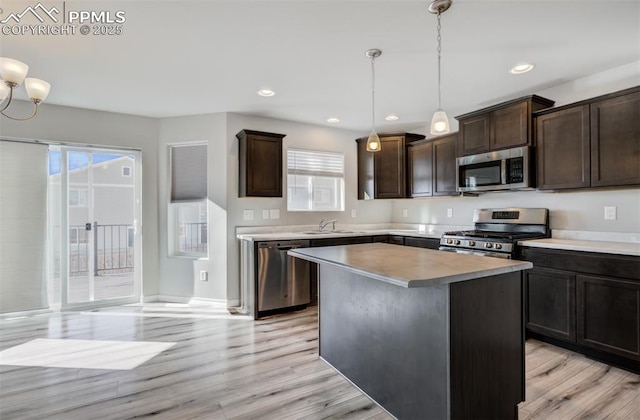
[409, 266]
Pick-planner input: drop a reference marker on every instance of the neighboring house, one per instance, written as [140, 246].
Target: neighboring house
[110, 179]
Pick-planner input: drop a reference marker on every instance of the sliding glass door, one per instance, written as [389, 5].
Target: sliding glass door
[95, 214]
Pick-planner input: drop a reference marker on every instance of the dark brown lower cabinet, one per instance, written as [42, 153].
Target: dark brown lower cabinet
[608, 315]
[587, 302]
[551, 303]
[429, 243]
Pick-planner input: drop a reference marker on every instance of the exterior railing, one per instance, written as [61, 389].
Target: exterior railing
[113, 249]
[192, 238]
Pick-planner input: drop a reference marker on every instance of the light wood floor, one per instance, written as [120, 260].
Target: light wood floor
[230, 367]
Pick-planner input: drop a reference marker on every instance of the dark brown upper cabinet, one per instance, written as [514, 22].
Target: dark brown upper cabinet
[615, 140]
[431, 167]
[260, 164]
[500, 126]
[563, 149]
[592, 143]
[383, 174]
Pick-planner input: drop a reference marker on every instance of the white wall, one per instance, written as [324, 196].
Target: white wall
[179, 277]
[575, 210]
[76, 125]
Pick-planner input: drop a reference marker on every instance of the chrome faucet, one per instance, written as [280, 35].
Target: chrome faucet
[323, 224]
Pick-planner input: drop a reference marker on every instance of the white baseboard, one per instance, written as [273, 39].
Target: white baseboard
[222, 303]
[24, 314]
[165, 298]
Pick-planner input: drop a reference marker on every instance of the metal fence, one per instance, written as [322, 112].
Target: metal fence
[192, 238]
[113, 249]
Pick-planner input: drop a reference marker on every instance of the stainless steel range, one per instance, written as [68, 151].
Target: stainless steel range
[496, 232]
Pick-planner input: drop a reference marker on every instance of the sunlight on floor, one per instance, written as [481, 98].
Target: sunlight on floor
[82, 354]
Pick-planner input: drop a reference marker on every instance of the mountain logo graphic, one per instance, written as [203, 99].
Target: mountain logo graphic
[16, 17]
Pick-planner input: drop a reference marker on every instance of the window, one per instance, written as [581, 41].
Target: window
[188, 208]
[315, 180]
[78, 197]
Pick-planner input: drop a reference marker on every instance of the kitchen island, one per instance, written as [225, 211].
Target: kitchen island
[426, 334]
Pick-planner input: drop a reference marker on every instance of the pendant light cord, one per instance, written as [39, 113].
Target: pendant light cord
[373, 94]
[439, 58]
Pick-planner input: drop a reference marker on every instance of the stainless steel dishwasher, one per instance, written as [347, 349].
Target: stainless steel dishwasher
[283, 281]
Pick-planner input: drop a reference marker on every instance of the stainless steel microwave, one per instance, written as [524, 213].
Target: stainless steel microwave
[508, 169]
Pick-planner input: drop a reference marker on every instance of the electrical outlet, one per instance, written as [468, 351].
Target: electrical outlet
[247, 214]
[449, 213]
[610, 212]
[405, 212]
[265, 214]
[204, 276]
[353, 212]
[274, 213]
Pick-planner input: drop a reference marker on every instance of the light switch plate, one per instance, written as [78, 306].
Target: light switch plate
[247, 214]
[204, 276]
[449, 213]
[265, 214]
[405, 212]
[353, 212]
[610, 212]
[274, 213]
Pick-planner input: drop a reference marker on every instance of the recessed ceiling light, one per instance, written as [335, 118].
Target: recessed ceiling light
[521, 68]
[333, 120]
[392, 117]
[266, 92]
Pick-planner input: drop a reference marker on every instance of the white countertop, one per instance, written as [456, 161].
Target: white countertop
[620, 248]
[621, 243]
[312, 234]
[389, 263]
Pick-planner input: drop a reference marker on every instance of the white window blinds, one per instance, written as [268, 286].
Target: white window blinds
[23, 223]
[314, 163]
[188, 173]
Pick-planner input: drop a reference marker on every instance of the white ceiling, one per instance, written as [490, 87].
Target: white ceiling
[195, 57]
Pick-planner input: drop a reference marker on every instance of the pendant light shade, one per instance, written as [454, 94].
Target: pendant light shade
[373, 142]
[439, 121]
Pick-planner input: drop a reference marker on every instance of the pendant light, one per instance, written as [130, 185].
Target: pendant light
[373, 142]
[440, 121]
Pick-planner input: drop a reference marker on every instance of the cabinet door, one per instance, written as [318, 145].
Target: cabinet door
[260, 164]
[420, 169]
[609, 315]
[563, 149]
[475, 134]
[365, 171]
[550, 303]
[389, 167]
[510, 126]
[615, 141]
[444, 165]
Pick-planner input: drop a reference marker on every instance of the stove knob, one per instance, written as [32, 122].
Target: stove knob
[472, 243]
[449, 241]
[488, 245]
[498, 246]
[456, 242]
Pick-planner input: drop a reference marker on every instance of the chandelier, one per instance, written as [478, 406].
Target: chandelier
[13, 73]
